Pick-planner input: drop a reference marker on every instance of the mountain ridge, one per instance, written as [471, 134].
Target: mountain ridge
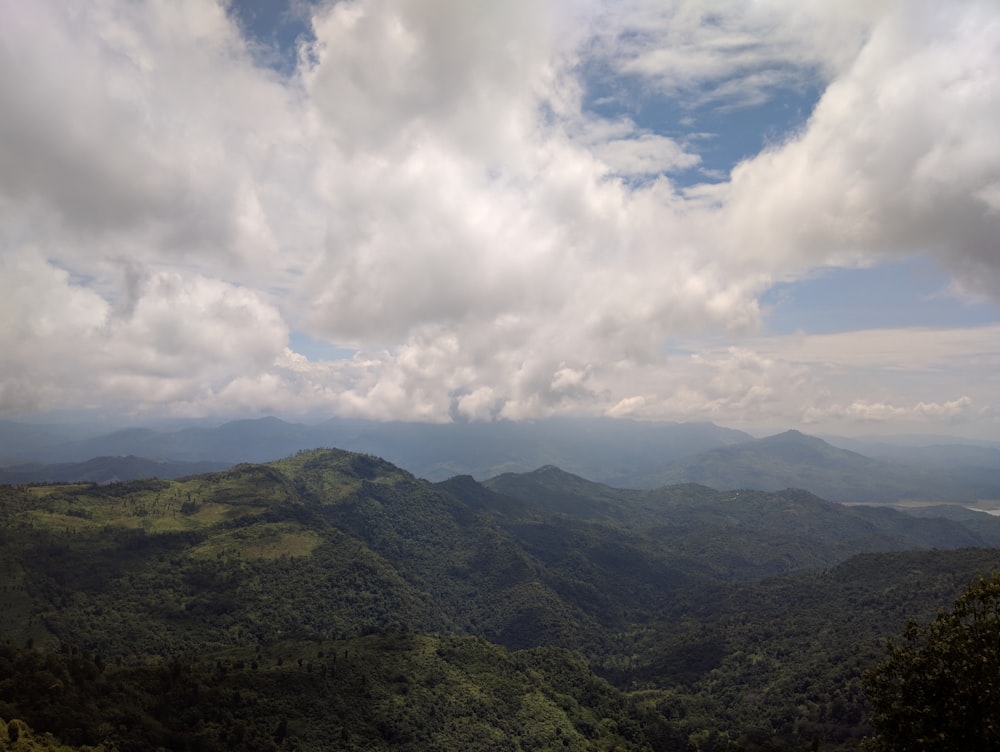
[620, 453]
[751, 607]
[793, 459]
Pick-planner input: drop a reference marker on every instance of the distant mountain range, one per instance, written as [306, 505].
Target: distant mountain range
[604, 449]
[795, 460]
[620, 453]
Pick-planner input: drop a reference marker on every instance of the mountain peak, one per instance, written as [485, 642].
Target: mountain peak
[550, 470]
[791, 435]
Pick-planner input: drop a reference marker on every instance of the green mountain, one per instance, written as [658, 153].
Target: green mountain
[541, 609]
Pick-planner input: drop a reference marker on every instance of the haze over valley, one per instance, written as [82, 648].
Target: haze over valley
[618, 452]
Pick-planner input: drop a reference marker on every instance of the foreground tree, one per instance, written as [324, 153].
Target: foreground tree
[938, 689]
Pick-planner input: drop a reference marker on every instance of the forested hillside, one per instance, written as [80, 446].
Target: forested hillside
[258, 607]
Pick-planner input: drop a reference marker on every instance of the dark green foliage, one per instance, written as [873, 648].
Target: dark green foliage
[696, 531]
[391, 690]
[709, 612]
[782, 659]
[938, 689]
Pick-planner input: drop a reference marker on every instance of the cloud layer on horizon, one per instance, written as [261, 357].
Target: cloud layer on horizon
[430, 190]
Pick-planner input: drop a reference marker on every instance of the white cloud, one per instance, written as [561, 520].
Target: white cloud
[389, 74]
[915, 375]
[181, 339]
[884, 350]
[141, 130]
[182, 323]
[896, 158]
[428, 190]
[47, 324]
[648, 154]
[732, 52]
[861, 411]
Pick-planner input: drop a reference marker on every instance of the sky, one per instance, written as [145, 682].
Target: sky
[768, 215]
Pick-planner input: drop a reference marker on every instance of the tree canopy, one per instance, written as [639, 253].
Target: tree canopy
[938, 689]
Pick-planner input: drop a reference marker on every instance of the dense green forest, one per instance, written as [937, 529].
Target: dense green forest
[333, 601]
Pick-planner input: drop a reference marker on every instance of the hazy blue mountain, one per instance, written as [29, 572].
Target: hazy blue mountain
[617, 452]
[599, 448]
[25, 442]
[950, 456]
[105, 470]
[604, 449]
[795, 460]
[873, 444]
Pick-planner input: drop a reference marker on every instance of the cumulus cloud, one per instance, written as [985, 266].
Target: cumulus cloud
[861, 411]
[648, 154]
[142, 129]
[430, 190]
[183, 339]
[47, 322]
[898, 156]
[732, 52]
